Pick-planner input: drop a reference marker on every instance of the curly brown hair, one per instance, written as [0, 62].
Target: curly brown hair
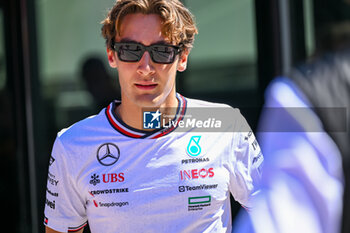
[178, 23]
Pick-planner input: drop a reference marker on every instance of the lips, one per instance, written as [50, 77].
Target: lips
[146, 86]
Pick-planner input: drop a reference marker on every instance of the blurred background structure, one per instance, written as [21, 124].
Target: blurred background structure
[54, 72]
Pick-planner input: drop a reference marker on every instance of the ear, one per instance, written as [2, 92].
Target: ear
[112, 59]
[182, 64]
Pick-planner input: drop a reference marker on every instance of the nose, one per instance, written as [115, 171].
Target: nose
[145, 66]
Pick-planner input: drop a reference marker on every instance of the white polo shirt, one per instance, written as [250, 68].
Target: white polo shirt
[121, 179]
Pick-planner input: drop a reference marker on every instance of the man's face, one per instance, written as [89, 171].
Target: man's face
[145, 83]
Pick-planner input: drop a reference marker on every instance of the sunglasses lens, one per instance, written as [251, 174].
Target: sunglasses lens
[130, 52]
[133, 52]
[163, 54]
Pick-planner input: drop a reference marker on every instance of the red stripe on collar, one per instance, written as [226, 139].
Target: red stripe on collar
[121, 127]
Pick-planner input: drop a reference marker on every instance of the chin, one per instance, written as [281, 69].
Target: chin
[149, 100]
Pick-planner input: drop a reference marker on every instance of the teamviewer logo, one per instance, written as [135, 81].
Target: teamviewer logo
[181, 189]
[151, 120]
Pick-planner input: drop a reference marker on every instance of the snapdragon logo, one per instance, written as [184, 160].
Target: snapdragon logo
[113, 204]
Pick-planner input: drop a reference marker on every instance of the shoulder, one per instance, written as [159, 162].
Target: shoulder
[77, 141]
[283, 92]
[231, 118]
[76, 146]
[202, 103]
[209, 108]
[83, 128]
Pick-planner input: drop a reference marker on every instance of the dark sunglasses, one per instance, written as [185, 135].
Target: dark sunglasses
[133, 52]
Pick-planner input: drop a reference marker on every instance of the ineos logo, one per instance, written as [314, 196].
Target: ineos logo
[108, 154]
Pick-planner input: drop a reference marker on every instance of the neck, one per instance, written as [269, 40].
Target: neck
[132, 114]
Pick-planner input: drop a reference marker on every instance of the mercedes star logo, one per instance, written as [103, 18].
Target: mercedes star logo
[108, 154]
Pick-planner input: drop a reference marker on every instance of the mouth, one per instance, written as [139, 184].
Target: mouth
[146, 86]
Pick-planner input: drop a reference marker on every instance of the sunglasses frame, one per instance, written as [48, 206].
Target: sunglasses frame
[116, 46]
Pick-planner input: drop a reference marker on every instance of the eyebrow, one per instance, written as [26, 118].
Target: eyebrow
[125, 40]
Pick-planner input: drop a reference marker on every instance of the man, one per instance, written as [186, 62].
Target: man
[114, 172]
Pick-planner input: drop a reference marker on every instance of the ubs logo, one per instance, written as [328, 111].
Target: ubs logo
[108, 154]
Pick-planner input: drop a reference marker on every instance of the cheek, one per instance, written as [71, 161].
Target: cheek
[124, 72]
[168, 71]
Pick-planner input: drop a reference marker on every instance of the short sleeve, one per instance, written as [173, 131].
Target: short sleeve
[246, 163]
[64, 207]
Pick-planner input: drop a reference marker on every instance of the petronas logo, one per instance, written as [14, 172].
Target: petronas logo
[193, 147]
